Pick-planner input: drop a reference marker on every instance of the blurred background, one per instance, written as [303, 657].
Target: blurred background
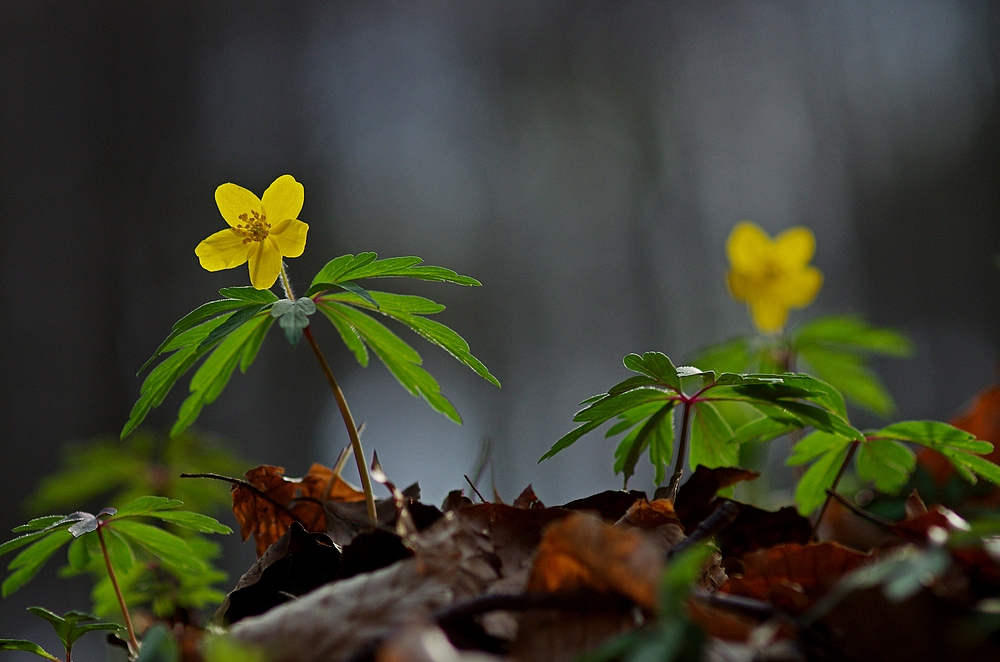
[584, 160]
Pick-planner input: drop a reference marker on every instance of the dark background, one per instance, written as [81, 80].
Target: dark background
[584, 160]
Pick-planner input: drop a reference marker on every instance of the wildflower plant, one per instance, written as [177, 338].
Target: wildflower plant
[228, 332]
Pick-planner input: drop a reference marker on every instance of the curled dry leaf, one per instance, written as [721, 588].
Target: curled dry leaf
[581, 551]
[793, 577]
[658, 519]
[527, 499]
[695, 497]
[609, 505]
[275, 501]
[514, 532]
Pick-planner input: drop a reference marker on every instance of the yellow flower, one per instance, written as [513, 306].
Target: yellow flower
[772, 276]
[259, 232]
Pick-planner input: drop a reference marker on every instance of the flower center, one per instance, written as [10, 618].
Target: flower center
[253, 228]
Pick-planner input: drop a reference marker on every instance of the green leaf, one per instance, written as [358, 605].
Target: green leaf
[193, 521]
[850, 332]
[960, 447]
[167, 547]
[351, 338]
[253, 343]
[233, 322]
[710, 437]
[27, 564]
[401, 359]
[25, 645]
[446, 338]
[119, 550]
[811, 490]
[848, 373]
[39, 523]
[147, 504]
[657, 434]
[354, 288]
[813, 445]
[27, 538]
[682, 572]
[213, 375]
[611, 406]
[159, 645]
[348, 267]
[68, 627]
[249, 293]
[765, 428]
[293, 316]
[886, 463]
[571, 438]
[731, 356]
[656, 365]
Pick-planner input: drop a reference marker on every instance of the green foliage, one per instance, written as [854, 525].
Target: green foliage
[644, 406]
[69, 628]
[146, 463]
[159, 645]
[835, 349]
[348, 308]
[228, 333]
[671, 636]
[884, 459]
[44, 536]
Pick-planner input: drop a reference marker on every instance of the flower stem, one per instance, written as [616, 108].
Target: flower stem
[118, 593]
[345, 411]
[675, 480]
[833, 488]
[352, 429]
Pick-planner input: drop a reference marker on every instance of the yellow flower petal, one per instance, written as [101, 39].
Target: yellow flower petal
[283, 200]
[223, 250]
[740, 286]
[795, 247]
[798, 289]
[768, 315]
[290, 237]
[265, 264]
[749, 248]
[234, 200]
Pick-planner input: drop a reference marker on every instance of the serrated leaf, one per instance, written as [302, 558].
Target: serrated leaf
[354, 288]
[710, 437]
[249, 293]
[813, 445]
[293, 317]
[656, 431]
[765, 428]
[167, 547]
[147, 504]
[26, 539]
[612, 406]
[193, 521]
[39, 523]
[78, 554]
[448, 340]
[656, 365]
[960, 447]
[253, 343]
[31, 559]
[810, 493]
[570, 438]
[351, 338]
[848, 373]
[852, 332]
[347, 267]
[25, 645]
[86, 523]
[213, 375]
[886, 463]
[233, 322]
[119, 550]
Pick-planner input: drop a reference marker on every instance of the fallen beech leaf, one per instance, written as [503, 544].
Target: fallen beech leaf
[916, 529]
[793, 576]
[582, 551]
[297, 563]
[527, 499]
[340, 619]
[608, 505]
[267, 511]
[657, 519]
[514, 532]
[755, 528]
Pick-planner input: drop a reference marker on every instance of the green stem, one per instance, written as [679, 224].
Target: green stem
[352, 429]
[833, 488]
[118, 593]
[675, 480]
[345, 411]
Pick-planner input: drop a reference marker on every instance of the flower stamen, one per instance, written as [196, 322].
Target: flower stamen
[252, 229]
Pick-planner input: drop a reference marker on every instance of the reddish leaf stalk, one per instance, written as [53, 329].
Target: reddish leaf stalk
[833, 488]
[675, 480]
[118, 593]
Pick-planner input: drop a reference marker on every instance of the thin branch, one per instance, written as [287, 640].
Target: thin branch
[473, 486]
[833, 488]
[723, 516]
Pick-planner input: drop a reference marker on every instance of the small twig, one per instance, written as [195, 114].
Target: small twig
[473, 486]
[723, 516]
[860, 512]
[758, 609]
[833, 488]
[250, 486]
